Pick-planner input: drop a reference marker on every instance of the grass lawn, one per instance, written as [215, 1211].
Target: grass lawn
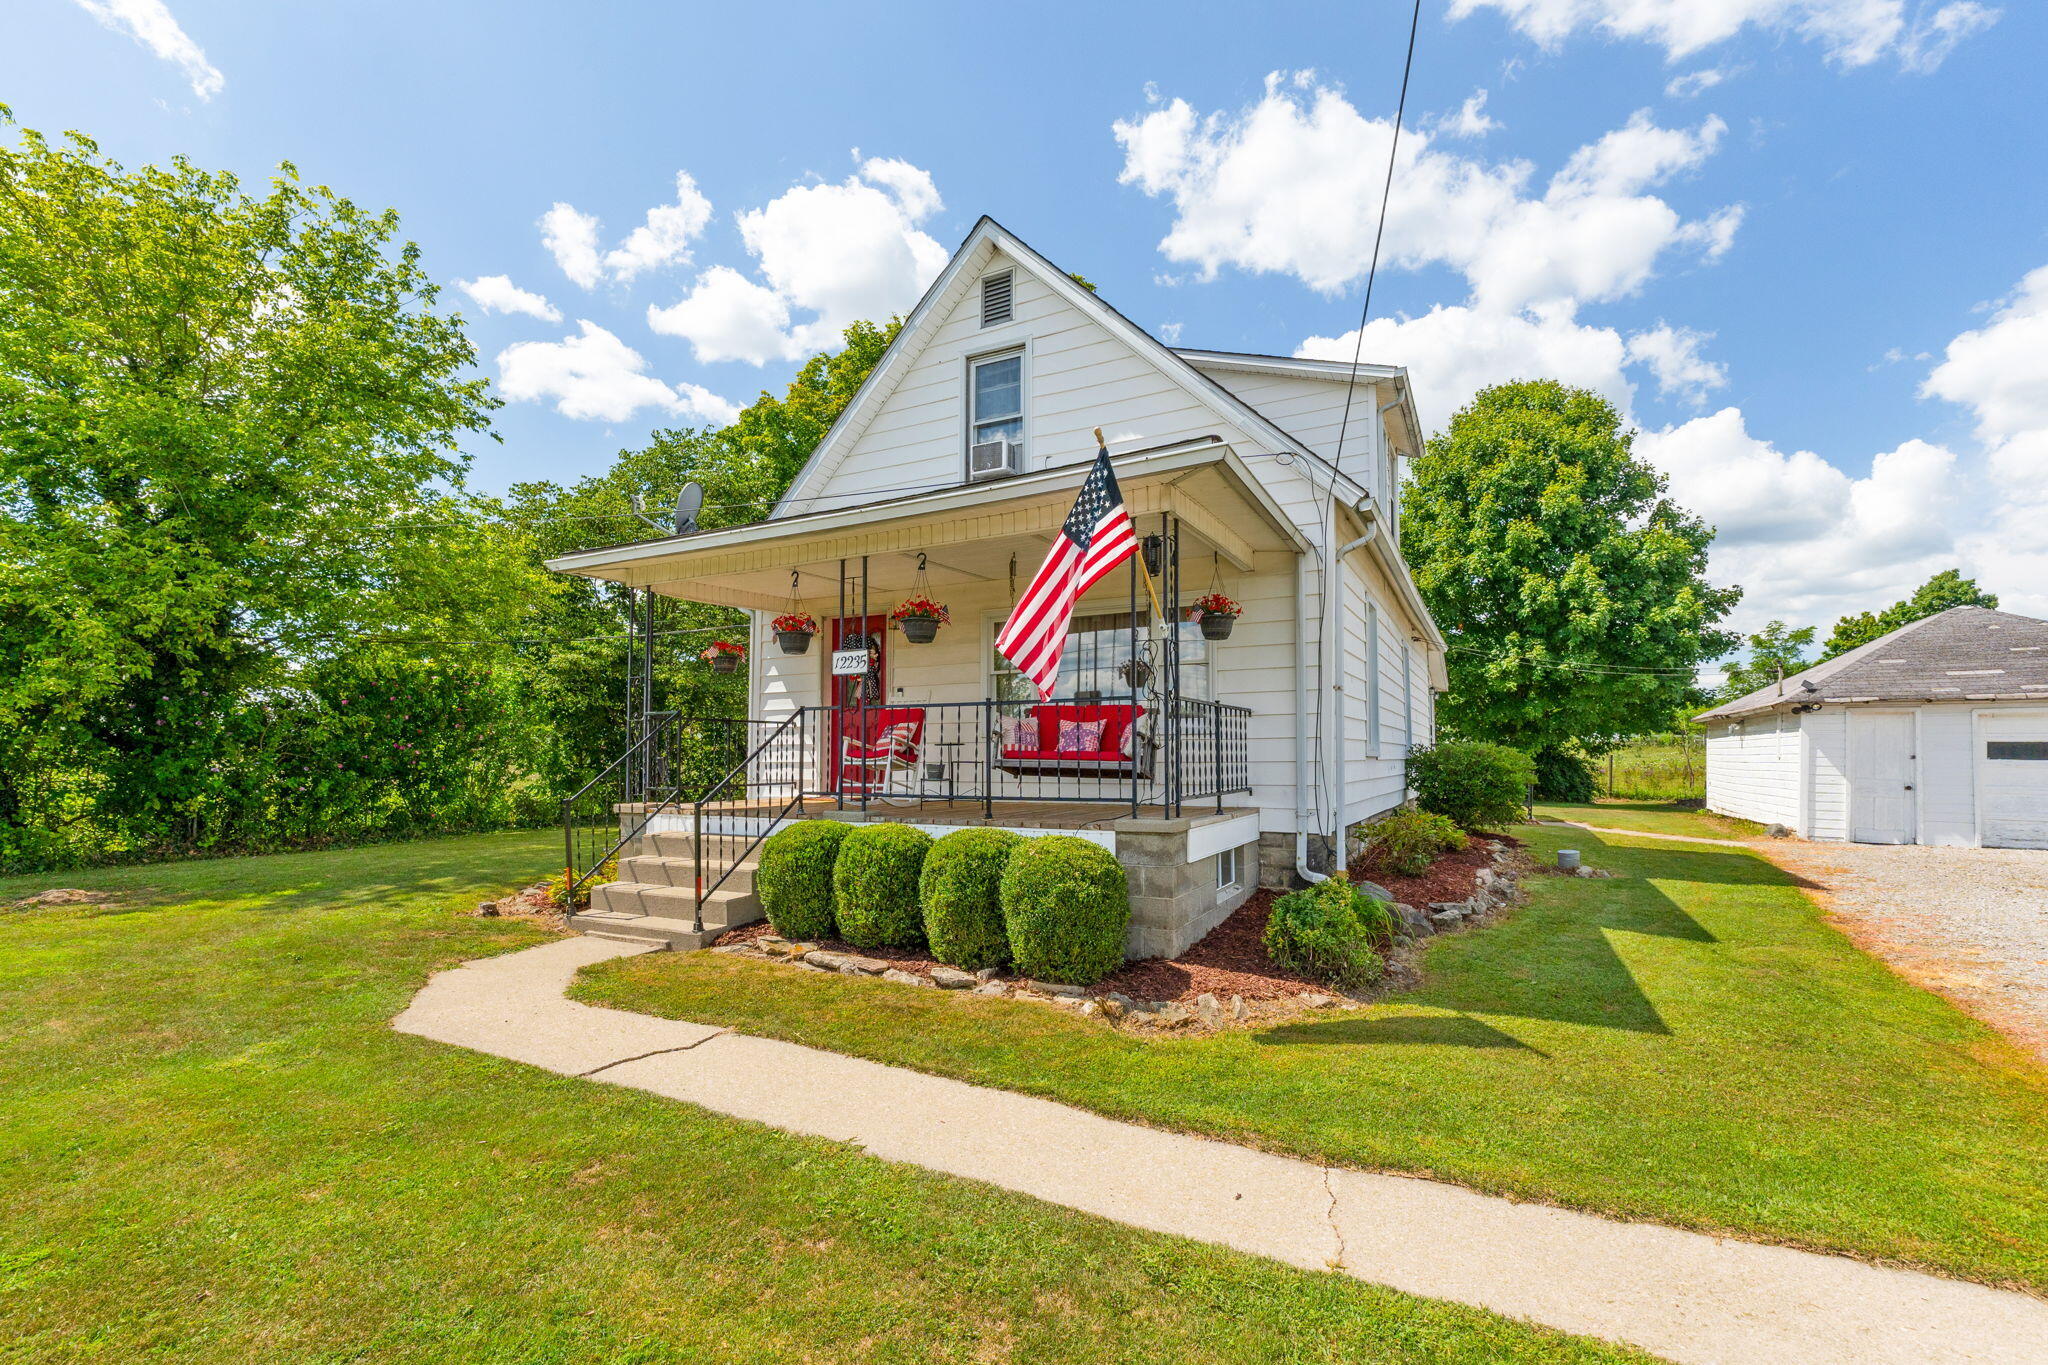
[216, 1150]
[1688, 1043]
[1652, 817]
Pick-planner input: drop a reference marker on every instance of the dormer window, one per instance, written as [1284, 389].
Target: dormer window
[995, 299]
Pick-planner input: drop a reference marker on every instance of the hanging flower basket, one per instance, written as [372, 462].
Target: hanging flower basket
[919, 618]
[724, 656]
[1136, 672]
[793, 631]
[1217, 614]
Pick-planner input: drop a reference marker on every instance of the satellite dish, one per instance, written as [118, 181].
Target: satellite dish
[688, 503]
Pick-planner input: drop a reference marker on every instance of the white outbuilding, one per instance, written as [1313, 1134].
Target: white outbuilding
[1934, 734]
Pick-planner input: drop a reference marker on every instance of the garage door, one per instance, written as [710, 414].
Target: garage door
[2012, 780]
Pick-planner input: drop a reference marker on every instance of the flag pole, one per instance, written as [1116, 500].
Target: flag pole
[1138, 553]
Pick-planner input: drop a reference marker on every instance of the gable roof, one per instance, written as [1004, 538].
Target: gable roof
[986, 239]
[1332, 371]
[1962, 654]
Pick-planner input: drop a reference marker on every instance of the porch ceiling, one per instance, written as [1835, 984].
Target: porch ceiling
[968, 534]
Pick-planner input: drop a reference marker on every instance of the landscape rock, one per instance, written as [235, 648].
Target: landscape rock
[1447, 919]
[1089, 1009]
[951, 978]
[1238, 1009]
[991, 988]
[1209, 1009]
[1316, 1000]
[988, 973]
[851, 963]
[1373, 889]
[1112, 1007]
[1416, 922]
[1052, 988]
[1172, 1015]
[65, 895]
[487, 909]
[903, 978]
[1777, 832]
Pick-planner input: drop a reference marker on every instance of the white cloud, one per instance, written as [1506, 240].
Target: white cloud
[571, 238]
[497, 294]
[1693, 83]
[1292, 184]
[149, 23]
[1998, 369]
[664, 239]
[1850, 33]
[1169, 332]
[838, 252]
[594, 375]
[1673, 357]
[729, 317]
[1471, 120]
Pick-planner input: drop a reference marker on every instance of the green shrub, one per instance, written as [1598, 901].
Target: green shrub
[1478, 786]
[1067, 908]
[1408, 841]
[961, 887]
[1328, 932]
[794, 879]
[1562, 775]
[874, 886]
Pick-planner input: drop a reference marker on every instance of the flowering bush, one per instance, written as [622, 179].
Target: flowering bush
[795, 623]
[719, 647]
[921, 606]
[1216, 604]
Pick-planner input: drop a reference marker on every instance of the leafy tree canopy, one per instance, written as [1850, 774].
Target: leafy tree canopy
[1777, 651]
[1946, 589]
[1572, 592]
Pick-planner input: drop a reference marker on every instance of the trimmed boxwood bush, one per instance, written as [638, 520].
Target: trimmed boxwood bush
[961, 887]
[794, 880]
[874, 886]
[1478, 786]
[1329, 932]
[1067, 908]
[1408, 841]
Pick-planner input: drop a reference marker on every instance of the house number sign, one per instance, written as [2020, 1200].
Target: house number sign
[849, 663]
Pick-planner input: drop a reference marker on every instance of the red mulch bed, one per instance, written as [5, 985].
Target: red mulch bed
[1231, 959]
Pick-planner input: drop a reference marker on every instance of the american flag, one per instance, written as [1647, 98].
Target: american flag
[1097, 537]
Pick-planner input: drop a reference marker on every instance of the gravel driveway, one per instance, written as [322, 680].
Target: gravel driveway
[1971, 923]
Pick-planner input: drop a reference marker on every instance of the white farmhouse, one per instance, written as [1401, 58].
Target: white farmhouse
[1935, 734]
[1207, 762]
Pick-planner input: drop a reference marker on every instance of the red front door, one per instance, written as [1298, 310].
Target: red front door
[849, 693]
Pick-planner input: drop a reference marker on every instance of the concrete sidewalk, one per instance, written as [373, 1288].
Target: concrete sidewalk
[1682, 1295]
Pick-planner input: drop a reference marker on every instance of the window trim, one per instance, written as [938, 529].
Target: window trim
[1021, 353]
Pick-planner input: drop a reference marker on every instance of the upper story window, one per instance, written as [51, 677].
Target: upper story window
[997, 389]
[995, 298]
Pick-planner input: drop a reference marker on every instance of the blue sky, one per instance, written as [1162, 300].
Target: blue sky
[1794, 239]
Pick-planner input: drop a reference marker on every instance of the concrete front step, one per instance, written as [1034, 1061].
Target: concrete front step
[675, 935]
[666, 870]
[677, 843]
[724, 908]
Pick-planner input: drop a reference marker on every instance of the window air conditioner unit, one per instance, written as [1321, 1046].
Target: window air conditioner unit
[994, 460]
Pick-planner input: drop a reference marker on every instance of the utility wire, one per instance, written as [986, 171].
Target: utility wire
[1330, 569]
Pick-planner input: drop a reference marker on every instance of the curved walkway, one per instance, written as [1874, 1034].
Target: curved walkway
[1645, 834]
[1683, 1295]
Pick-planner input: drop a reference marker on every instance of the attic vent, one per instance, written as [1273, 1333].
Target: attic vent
[995, 299]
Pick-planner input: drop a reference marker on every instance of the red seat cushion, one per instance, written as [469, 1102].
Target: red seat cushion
[1116, 718]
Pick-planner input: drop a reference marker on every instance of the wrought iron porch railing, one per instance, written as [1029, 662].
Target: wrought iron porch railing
[737, 780]
[677, 759]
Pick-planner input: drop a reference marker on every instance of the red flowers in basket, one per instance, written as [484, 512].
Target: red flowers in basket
[1215, 604]
[794, 623]
[723, 648]
[923, 607]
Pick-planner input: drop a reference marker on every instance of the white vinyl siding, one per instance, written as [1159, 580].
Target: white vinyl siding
[1753, 769]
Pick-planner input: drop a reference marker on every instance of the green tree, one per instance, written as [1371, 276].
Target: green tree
[1777, 651]
[1946, 589]
[1572, 592]
[227, 440]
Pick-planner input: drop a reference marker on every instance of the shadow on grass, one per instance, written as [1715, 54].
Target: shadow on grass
[1439, 1030]
[1556, 959]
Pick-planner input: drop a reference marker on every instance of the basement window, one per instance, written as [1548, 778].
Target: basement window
[2017, 750]
[1229, 871]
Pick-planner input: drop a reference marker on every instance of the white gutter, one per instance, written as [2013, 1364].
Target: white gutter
[1301, 813]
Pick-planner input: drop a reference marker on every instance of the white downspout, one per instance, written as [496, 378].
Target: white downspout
[1335, 654]
[1301, 815]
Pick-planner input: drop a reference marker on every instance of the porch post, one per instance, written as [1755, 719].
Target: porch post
[1134, 565]
[864, 683]
[835, 728]
[1169, 556]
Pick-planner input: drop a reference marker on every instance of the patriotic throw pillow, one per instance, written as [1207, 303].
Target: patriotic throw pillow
[1020, 732]
[1080, 736]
